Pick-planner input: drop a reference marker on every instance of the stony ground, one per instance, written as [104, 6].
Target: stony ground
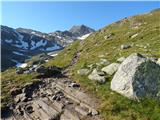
[54, 99]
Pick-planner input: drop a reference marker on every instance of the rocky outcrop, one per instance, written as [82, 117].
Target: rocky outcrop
[137, 77]
[97, 76]
[111, 69]
[55, 99]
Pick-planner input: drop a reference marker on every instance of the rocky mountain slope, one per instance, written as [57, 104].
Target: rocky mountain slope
[99, 56]
[21, 44]
[118, 65]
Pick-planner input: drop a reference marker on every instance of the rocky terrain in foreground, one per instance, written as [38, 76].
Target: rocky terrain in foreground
[52, 99]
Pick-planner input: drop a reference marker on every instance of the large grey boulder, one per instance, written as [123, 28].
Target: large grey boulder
[97, 76]
[111, 69]
[137, 77]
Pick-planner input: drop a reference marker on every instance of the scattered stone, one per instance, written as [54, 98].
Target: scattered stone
[121, 59]
[137, 77]
[94, 112]
[104, 62]
[111, 69]
[83, 72]
[41, 70]
[29, 109]
[21, 97]
[92, 66]
[58, 95]
[135, 35]
[97, 76]
[125, 46]
[74, 85]
[19, 71]
[109, 36]
[101, 56]
[15, 91]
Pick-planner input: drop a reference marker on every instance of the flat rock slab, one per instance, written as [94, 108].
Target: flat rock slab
[71, 103]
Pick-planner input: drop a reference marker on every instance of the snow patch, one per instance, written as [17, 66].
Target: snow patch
[38, 44]
[24, 44]
[17, 53]
[55, 47]
[8, 41]
[84, 36]
[21, 65]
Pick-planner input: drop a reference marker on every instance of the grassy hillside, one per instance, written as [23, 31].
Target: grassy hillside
[142, 33]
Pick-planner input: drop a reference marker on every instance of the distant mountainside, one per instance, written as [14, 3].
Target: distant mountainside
[20, 44]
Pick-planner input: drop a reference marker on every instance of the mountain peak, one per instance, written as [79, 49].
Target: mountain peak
[80, 30]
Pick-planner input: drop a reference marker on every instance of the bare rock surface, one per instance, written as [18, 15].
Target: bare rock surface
[55, 99]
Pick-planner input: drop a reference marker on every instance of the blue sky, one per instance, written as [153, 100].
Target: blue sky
[51, 16]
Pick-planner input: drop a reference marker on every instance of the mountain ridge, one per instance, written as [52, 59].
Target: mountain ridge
[20, 44]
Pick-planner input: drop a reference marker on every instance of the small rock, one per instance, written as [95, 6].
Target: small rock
[121, 59]
[111, 69]
[15, 91]
[158, 61]
[21, 97]
[19, 71]
[97, 76]
[83, 71]
[94, 112]
[104, 62]
[40, 70]
[74, 85]
[125, 46]
[29, 109]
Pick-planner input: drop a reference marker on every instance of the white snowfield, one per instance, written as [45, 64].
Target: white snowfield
[18, 53]
[83, 37]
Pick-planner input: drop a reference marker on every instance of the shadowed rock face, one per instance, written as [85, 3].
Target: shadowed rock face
[137, 77]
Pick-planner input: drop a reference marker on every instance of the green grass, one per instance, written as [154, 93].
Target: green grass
[9, 80]
[114, 106]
